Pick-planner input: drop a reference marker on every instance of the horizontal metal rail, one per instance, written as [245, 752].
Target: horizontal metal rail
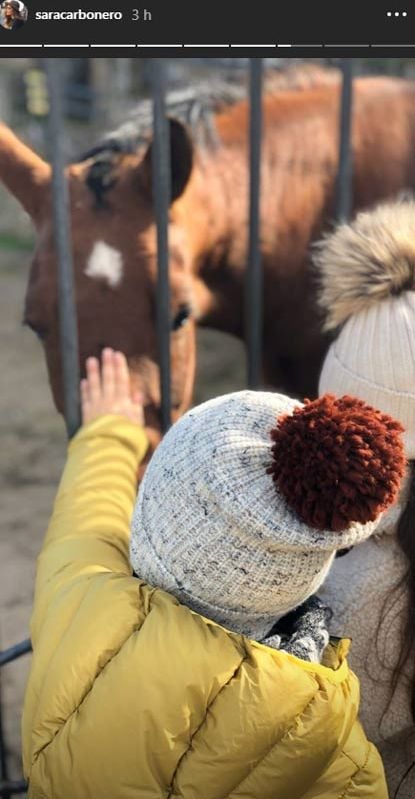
[10, 788]
[14, 652]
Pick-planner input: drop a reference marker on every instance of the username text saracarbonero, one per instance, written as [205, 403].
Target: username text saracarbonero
[79, 14]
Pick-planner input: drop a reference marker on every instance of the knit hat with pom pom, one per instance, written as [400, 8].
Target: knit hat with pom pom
[367, 278]
[249, 496]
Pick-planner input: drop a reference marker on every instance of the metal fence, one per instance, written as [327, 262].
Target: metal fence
[161, 191]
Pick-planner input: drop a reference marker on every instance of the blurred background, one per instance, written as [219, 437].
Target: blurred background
[99, 94]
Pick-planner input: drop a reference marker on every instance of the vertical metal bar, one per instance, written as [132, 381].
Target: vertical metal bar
[344, 184]
[68, 334]
[254, 279]
[67, 311]
[162, 194]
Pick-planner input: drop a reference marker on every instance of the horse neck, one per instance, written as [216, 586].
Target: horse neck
[294, 198]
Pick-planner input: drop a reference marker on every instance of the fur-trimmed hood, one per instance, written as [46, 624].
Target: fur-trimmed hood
[367, 260]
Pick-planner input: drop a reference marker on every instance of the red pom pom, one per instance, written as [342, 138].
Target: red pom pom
[337, 461]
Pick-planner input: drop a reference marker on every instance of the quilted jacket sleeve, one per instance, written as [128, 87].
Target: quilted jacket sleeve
[83, 558]
[90, 525]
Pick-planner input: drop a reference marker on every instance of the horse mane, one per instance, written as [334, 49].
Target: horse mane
[301, 77]
[196, 107]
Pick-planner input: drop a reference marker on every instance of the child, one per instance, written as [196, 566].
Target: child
[160, 686]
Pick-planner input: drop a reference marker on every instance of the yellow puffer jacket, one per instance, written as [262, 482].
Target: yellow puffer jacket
[133, 696]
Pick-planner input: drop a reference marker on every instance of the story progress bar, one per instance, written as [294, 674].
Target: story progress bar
[203, 46]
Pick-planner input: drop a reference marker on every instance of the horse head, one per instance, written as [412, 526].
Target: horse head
[114, 252]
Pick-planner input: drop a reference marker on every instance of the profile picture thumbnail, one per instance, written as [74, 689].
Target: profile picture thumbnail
[13, 14]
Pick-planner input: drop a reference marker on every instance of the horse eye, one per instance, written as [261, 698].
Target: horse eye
[181, 317]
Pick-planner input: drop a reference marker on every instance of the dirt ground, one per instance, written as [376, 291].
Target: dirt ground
[31, 458]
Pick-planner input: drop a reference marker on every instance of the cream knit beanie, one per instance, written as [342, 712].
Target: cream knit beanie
[367, 273]
[212, 525]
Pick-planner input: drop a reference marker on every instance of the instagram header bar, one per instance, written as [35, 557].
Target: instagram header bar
[189, 28]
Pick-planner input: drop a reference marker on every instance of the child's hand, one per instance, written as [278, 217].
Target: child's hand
[109, 391]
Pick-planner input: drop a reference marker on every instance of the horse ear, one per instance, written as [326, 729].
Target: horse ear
[181, 155]
[23, 172]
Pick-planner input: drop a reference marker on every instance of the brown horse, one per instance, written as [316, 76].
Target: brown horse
[113, 228]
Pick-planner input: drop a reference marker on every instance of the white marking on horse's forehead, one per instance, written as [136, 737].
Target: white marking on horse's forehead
[105, 263]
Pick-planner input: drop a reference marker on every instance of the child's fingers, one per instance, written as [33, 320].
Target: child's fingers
[85, 401]
[108, 373]
[93, 379]
[84, 391]
[122, 376]
[138, 403]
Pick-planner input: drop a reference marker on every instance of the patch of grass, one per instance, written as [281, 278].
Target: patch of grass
[15, 243]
